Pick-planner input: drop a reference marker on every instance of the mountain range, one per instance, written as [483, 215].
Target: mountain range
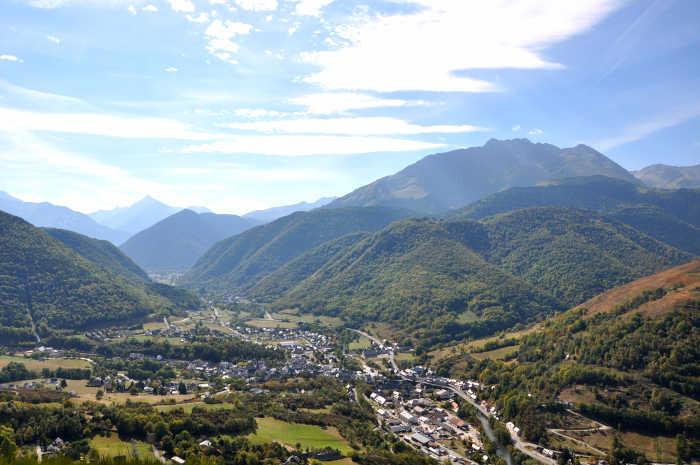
[176, 242]
[134, 218]
[44, 214]
[672, 216]
[445, 181]
[670, 177]
[271, 214]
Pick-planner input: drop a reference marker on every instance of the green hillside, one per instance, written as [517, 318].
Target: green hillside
[102, 253]
[574, 254]
[294, 272]
[239, 262]
[420, 277]
[442, 280]
[175, 243]
[627, 358]
[43, 280]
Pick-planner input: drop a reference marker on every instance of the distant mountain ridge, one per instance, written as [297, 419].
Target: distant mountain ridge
[44, 214]
[670, 177]
[672, 216]
[271, 214]
[137, 217]
[445, 181]
[176, 242]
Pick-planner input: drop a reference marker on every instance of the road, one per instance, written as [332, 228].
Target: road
[523, 446]
[376, 341]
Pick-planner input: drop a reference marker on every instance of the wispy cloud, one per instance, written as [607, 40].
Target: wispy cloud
[327, 103]
[307, 145]
[642, 129]
[357, 126]
[100, 124]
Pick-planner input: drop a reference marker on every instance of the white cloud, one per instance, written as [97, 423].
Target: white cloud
[298, 146]
[516, 128]
[150, 9]
[422, 50]
[535, 132]
[339, 102]
[131, 9]
[311, 7]
[358, 126]
[99, 124]
[257, 5]
[171, 69]
[53, 39]
[182, 6]
[12, 58]
[220, 34]
[200, 18]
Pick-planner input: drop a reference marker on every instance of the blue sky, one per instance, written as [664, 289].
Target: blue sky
[245, 104]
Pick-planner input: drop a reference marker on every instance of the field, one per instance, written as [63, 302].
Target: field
[657, 449]
[361, 344]
[496, 354]
[38, 365]
[471, 346]
[311, 436]
[154, 325]
[112, 446]
[189, 406]
[264, 323]
[290, 316]
[86, 393]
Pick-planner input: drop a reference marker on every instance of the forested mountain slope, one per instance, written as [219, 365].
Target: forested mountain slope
[627, 357]
[240, 262]
[43, 280]
[441, 280]
[672, 216]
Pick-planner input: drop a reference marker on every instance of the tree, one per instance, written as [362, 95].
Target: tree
[64, 384]
[99, 394]
[8, 447]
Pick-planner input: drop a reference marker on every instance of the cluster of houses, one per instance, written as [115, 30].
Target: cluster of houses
[426, 419]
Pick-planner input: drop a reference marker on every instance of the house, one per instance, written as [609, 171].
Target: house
[421, 439]
[443, 394]
[177, 460]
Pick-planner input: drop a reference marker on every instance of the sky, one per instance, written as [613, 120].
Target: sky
[239, 105]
